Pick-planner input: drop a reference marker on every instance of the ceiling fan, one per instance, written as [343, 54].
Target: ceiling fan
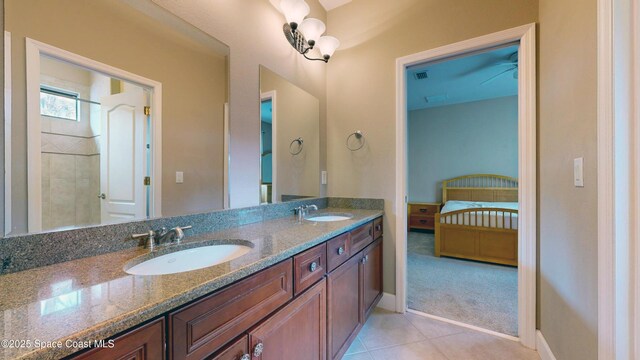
[512, 67]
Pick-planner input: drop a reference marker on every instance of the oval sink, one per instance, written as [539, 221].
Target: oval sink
[188, 259]
[329, 217]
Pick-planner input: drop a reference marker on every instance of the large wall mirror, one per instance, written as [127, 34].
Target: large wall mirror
[116, 111]
[290, 140]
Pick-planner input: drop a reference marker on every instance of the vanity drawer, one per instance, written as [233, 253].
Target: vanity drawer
[309, 267]
[146, 342]
[377, 228]
[338, 251]
[203, 327]
[361, 237]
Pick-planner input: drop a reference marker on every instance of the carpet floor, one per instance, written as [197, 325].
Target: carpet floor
[474, 293]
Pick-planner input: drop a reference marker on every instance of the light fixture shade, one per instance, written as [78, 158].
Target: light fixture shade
[294, 10]
[312, 29]
[327, 45]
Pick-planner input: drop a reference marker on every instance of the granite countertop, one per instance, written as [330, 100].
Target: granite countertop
[93, 298]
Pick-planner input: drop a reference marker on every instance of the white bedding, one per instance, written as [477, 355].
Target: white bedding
[500, 220]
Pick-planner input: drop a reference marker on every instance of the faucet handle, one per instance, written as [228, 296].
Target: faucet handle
[151, 235]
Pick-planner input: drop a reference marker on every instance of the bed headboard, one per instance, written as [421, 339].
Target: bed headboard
[480, 187]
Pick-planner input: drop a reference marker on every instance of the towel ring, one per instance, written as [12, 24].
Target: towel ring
[358, 135]
[300, 142]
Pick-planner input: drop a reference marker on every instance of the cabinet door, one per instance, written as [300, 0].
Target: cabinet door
[344, 315]
[145, 343]
[296, 332]
[371, 264]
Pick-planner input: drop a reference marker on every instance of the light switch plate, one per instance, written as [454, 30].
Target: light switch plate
[578, 172]
[324, 177]
[179, 177]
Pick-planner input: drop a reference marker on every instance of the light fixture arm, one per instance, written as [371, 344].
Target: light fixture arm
[297, 40]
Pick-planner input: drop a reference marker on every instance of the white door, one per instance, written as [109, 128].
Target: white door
[122, 160]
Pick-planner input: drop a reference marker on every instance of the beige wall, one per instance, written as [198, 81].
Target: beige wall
[567, 292]
[253, 31]
[194, 82]
[361, 84]
[297, 115]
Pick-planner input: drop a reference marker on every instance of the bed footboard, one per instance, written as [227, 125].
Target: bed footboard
[482, 234]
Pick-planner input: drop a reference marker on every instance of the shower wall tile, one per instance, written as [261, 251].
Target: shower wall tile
[63, 199]
[63, 167]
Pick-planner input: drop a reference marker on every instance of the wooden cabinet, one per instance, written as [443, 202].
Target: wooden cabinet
[422, 215]
[353, 291]
[344, 307]
[308, 307]
[144, 343]
[204, 327]
[296, 332]
[371, 276]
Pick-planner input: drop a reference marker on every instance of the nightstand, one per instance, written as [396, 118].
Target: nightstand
[422, 215]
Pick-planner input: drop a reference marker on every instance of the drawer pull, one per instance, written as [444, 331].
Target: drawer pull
[364, 259]
[257, 350]
[423, 221]
[313, 266]
[340, 250]
[379, 227]
[245, 357]
[423, 210]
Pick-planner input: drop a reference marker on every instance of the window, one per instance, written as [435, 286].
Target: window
[59, 103]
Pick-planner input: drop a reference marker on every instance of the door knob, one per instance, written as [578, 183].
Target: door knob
[102, 196]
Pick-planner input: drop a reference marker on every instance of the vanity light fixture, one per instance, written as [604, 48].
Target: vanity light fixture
[306, 34]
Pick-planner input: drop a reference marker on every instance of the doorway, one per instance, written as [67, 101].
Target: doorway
[267, 147]
[526, 185]
[462, 125]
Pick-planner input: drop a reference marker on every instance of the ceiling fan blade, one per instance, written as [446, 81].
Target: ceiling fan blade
[497, 75]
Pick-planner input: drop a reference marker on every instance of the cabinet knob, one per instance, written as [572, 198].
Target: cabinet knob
[340, 250]
[313, 266]
[245, 357]
[257, 350]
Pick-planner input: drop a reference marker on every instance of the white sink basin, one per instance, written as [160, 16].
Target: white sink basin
[330, 217]
[189, 259]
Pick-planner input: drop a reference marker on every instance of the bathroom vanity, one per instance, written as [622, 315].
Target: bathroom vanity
[321, 297]
[304, 290]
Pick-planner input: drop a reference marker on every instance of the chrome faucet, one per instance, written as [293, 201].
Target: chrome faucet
[174, 235]
[303, 210]
[159, 237]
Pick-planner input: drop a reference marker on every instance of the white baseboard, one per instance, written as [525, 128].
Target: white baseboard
[388, 302]
[543, 348]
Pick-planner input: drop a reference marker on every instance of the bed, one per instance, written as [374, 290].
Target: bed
[479, 219]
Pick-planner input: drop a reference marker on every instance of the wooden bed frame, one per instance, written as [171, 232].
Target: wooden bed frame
[482, 240]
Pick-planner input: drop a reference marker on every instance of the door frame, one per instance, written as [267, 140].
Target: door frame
[527, 158]
[271, 95]
[618, 146]
[34, 49]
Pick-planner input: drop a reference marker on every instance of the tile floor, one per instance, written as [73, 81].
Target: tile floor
[388, 335]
